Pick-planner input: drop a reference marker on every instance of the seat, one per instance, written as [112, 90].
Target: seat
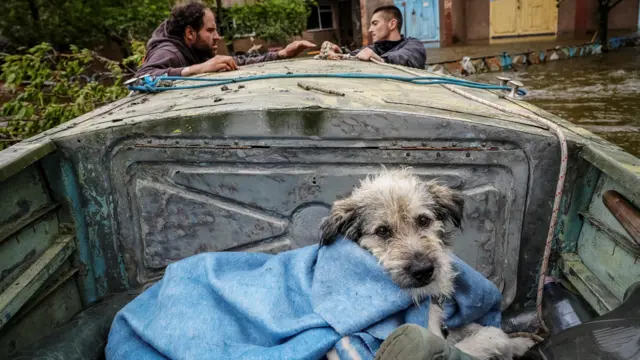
[612, 336]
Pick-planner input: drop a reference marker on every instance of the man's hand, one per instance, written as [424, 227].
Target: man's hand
[367, 54]
[295, 48]
[332, 47]
[216, 64]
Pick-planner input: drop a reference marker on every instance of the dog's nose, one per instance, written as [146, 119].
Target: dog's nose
[422, 272]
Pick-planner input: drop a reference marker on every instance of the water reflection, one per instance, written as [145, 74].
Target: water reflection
[600, 93]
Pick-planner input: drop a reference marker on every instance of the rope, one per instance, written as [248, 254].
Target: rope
[564, 156]
[164, 83]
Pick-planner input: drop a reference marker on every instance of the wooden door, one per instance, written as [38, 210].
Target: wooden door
[504, 18]
[523, 17]
[421, 19]
[537, 17]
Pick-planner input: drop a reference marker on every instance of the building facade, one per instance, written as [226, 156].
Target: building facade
[447, 22]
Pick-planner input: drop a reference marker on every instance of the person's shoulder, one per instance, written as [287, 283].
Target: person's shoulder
[410, 39]
[414, 43]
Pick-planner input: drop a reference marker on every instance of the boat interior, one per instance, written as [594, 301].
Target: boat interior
[93, 210]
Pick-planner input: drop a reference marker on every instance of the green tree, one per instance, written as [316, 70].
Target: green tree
[270, 20]
[50, 88]
[80, 22]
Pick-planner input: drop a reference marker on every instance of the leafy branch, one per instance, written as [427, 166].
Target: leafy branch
[49, 88]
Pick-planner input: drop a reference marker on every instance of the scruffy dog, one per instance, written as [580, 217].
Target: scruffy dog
[401, 220]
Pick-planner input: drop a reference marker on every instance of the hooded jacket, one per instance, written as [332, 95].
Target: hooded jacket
[407, 51]
[168, 55]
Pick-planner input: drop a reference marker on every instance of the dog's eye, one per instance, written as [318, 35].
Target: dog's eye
[423, 221]
[383, 231]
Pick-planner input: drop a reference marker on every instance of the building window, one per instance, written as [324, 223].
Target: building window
[320, 18]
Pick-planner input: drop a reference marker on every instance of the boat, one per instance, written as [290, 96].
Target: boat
[93, 210]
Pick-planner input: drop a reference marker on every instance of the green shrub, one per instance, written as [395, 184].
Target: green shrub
[270, 20]
[49, 88]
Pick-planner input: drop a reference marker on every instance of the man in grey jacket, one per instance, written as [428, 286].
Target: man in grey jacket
[185, 45]
[388, 44]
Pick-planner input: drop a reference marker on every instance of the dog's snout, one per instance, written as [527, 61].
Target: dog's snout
[422, 272]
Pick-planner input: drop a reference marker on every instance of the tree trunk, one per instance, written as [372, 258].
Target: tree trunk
[603, 24]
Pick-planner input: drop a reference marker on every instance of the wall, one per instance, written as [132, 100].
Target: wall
[477, 18]
[569, 15]
[366, 11]
[580, 17]
[624, 16]
[319, 36]
[459, 19]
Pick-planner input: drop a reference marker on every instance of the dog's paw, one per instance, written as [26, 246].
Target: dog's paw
[520, 345]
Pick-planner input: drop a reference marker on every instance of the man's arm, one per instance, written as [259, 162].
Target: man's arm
[291, 50]
[161, 62]
[412, 54]
[248, 60]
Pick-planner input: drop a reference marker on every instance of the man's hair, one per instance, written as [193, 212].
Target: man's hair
[391, 11]
[183, 15]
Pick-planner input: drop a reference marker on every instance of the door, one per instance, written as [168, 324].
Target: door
[504, 21]
[421, 19]
[537, 17]
[523, 17]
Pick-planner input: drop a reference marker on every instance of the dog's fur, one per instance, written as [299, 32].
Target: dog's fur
[402, 221]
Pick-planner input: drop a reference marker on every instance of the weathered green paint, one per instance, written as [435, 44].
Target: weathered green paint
[12, 299]
[581, 188]
[19, 156]
[53, 307]
[609, 262]
[621, 166]
[22, 195]
[20, 250]
[589, 286]
[619, 239]
[73, 198]
[35, 216]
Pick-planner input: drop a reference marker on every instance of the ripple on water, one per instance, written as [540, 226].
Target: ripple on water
[600, 93]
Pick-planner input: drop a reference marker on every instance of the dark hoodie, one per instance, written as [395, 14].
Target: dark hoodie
[406, 51]
[167, 54]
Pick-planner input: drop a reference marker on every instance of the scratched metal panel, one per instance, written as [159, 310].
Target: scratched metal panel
[135, 182]
[272, 199]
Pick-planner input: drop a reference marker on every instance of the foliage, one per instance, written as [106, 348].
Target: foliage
[50, 88]
[81, 22]
[271, 20]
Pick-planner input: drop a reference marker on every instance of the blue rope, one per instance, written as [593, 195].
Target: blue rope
[150, 84]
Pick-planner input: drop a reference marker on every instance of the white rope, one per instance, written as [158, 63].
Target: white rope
[564, 156]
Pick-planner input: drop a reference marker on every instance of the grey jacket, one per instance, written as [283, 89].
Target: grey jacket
[406, 51]
[168, 55]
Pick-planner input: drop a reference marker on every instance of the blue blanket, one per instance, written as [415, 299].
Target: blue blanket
[295, 305]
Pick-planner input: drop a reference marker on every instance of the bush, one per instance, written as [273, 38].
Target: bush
[49, 88]
[270, 20]
[81, 22]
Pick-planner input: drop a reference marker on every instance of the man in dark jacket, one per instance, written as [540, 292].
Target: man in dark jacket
[388, 44]
[185, 45]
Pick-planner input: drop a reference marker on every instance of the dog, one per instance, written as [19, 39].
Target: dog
[402, 220]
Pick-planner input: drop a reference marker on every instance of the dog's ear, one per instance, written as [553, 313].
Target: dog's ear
[449, 203]
[344, 219]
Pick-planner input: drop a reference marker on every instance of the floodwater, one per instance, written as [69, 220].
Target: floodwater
[600, 93]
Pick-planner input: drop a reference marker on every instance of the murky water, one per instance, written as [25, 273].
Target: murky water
[600, 93]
